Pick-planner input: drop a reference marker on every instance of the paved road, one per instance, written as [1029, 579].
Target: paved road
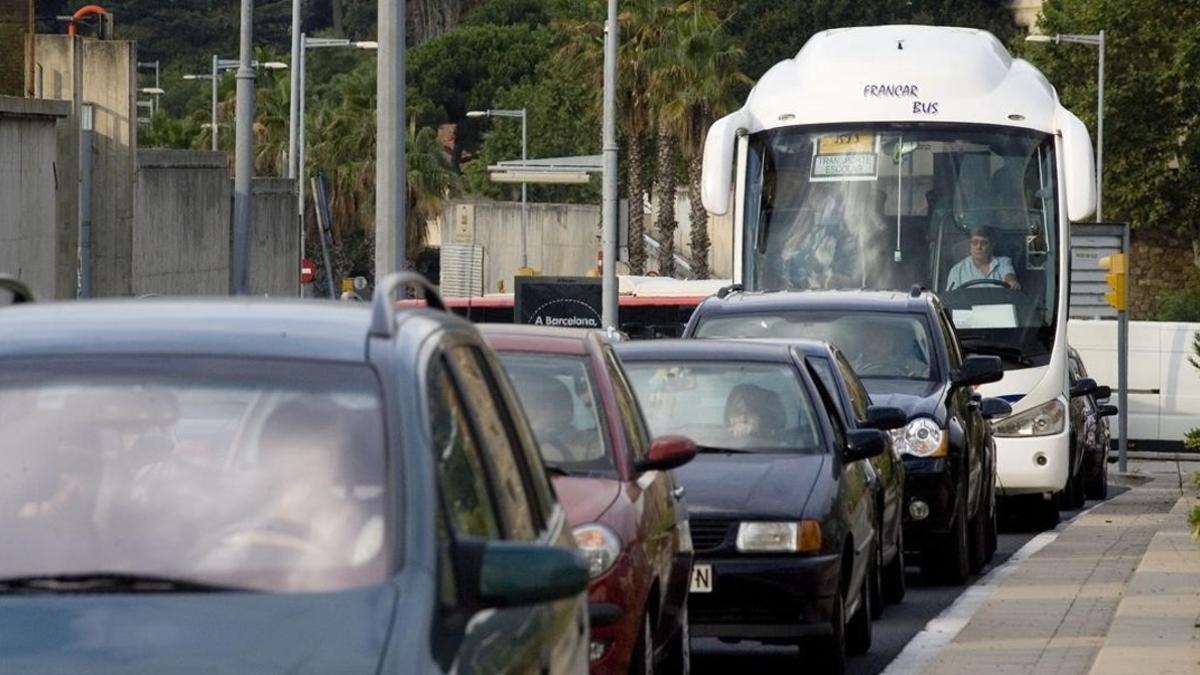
[897, 627]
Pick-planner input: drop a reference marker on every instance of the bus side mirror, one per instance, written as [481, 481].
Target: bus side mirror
[717, 178]
[1079, 166]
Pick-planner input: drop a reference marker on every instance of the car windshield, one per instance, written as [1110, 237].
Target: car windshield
[558, 395]
[878, 345]
[741, 407]
[969, 212]
[236, 475]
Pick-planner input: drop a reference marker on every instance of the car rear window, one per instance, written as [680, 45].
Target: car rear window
[266, 477]
[879, 345]
[560, 400]
[736, 406]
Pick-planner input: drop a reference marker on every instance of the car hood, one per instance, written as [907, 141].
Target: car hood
[585, 499]
[343, 632]
[915, 397]
[757, 485]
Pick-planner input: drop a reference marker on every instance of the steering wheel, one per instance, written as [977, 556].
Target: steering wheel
[981, 282]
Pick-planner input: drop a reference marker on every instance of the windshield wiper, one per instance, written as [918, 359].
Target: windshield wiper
[712, 449]
[108, 582]
[973, 343]
[555, 469]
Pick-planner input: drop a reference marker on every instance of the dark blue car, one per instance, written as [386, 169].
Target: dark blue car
[251, 487]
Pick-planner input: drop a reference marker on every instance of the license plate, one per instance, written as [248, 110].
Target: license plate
[702, 579]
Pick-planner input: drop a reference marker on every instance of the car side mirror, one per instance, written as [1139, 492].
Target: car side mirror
[978, 369]
[991, 408]
[1107, 410]
[1102, 393]
[863, 444]
[667, 452]
[886, 418]
[1082, 387]
[510, 574]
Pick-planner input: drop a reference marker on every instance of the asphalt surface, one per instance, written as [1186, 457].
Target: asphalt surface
[900, 623]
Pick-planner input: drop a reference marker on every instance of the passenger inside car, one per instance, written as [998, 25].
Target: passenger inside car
[550, 406]
[752, 412]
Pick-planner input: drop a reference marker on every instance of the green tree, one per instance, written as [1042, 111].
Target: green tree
[1152, 93]
[698, 69]
[563, 122]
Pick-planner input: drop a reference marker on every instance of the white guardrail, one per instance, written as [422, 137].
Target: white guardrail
[1164, 388]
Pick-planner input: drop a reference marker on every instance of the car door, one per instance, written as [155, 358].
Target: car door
[963, 405]
[654, 500]
[854, 491]
[526, 639]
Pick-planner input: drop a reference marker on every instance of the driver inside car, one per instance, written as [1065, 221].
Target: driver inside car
[980, 264]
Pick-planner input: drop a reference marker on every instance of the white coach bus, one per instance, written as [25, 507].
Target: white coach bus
[883, 157]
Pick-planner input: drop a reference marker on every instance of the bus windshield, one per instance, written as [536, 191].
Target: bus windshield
[966, 211]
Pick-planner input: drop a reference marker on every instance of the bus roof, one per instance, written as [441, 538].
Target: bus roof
[903, 74]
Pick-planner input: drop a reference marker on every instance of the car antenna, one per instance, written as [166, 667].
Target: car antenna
[917, 290]
[726, 290]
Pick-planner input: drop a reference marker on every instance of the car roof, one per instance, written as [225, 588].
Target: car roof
[705, 350]
[299, 329]
[782, 301]
[520, 337]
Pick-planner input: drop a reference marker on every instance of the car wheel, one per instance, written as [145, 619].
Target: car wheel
[1097, 486]
[679, 654]
[946, 559]
[858, 631]
[642, 661]
[895, 585]
[978, 541]
[830, 650]
[875, 579]
[992, 535]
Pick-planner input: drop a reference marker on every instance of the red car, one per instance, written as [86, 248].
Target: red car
[615, 484]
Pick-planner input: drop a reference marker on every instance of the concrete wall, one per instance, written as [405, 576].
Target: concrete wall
[107, 71]
[275, 239]
[181, 233]
[32, 246]
[15, 19]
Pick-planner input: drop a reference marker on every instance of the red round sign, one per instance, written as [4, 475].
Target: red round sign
[306, 271]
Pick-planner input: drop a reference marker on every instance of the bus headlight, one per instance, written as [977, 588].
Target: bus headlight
[1047, 419]
[921, 437]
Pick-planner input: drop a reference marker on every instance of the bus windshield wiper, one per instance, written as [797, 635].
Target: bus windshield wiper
[108, 582]
[973, 343]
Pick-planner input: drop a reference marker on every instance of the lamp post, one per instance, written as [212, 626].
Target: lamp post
[608, 238]
[219, 65]
[523, 114]
[297, 132]
[156, 65]
[1096, 40]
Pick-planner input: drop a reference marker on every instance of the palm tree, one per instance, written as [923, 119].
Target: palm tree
[431, 180]
[641, 22]
[697, 64]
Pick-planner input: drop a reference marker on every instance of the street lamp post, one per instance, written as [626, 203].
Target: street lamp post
[297, 139]
[1096, 40]
[220, 65]
[523, 114]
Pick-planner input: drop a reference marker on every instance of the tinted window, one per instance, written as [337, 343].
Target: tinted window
[461, 469]
[824, 372]
[860, 400]
[632, 420]
[951, 340]
[525, 441]
[275, 480]
[480, 396]
[558, 395]
[753, 407]
[879, 345]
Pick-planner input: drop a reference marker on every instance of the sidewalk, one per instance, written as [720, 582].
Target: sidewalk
[1118, 591]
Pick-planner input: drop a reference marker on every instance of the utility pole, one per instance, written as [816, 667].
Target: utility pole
[294, 94]
[390, 194]
[608, 237]
[243, 204]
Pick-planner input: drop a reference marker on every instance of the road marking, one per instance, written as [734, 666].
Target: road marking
[943, 628]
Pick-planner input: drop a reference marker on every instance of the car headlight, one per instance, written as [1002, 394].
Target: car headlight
[1047, 419]
[600, 547]
[921, 437]
[801, 537]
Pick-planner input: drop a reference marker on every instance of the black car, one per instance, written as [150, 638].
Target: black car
[274, 487]
[858, 411]
[904, 348]
[782, 514]
[1089, 407]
